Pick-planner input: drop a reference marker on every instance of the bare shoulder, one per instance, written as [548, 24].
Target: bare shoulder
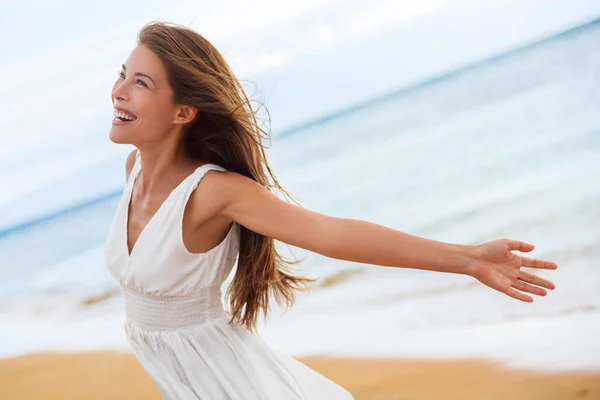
[129, 163]
[228, 186]
[216, 192]
[216, 189]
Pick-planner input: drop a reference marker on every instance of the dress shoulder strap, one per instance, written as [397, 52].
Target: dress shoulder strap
[135, 168]
[196, 177]
[199, 173]
[194, 180]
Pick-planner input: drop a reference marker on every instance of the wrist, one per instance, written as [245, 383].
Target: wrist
[468, 256]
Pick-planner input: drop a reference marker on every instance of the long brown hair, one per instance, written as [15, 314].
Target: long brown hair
[226, 132]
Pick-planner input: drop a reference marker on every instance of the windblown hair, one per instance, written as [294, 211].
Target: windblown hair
[225, 132]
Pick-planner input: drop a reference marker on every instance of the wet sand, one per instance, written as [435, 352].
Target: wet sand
[117, 375]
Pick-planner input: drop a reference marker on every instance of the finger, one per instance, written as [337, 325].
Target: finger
[504, 286]
[520, 245]
[537, 263]
[525, 287]
[518, 295]
[536, 280]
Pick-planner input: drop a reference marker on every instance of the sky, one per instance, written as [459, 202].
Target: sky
[301, 59]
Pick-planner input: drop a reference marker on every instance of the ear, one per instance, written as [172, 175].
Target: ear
[185, 114]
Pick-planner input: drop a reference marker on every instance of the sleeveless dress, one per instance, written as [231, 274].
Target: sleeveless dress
[175, 322]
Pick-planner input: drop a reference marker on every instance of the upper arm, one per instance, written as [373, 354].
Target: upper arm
[129, 163]
[258, 209]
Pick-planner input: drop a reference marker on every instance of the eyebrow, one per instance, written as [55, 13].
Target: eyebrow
[139, 74]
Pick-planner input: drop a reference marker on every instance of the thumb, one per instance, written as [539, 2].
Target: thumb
[520, 246]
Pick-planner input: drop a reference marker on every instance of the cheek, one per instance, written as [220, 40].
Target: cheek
[153, 111]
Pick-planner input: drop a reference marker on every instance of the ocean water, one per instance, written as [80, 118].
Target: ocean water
[509, 147]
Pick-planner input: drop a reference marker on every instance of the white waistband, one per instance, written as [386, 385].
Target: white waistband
[154, 312]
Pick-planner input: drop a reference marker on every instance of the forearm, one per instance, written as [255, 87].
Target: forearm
[366, 242]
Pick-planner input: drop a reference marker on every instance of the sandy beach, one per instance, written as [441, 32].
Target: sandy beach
[117, 375]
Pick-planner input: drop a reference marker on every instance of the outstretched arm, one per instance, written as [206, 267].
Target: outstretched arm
[492, 263]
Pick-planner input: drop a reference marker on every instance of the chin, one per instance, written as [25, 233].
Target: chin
[118, 137]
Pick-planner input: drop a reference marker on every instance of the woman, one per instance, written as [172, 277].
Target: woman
[174, 241]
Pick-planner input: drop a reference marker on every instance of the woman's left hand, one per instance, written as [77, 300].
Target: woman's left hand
[494, 265]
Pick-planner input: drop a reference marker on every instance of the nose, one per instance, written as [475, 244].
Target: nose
[120, 91]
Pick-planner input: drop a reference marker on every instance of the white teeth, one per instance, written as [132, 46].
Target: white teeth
[123, 115]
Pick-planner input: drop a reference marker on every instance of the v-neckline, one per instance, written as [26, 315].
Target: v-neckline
[129, 253]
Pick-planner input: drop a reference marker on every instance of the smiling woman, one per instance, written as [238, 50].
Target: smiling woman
[199, 199]
[178, 102]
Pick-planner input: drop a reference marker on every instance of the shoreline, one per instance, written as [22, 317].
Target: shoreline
[116, 374]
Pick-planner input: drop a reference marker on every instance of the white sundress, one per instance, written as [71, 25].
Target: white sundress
[175, 321]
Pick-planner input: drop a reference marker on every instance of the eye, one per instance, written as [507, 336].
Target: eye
[142, 82]
[122, 75]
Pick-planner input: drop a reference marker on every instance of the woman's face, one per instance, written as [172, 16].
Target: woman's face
[143, 91]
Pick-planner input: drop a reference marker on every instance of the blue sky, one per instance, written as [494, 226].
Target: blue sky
[59, 59]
